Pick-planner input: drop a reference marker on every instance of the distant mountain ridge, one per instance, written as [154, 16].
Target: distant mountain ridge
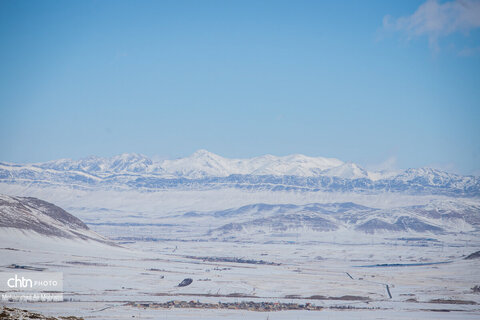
[200, 164]
[262, 219]
[204, 169]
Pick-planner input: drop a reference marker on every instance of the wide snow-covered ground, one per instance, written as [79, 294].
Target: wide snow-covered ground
[99, 279]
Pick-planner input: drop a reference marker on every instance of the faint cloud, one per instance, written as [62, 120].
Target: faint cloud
[158, 158]
[447, 167]
[469, 52]
[119, 56]
[435, 20]
[390, 164]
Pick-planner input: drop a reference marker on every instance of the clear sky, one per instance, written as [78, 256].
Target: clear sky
[379, 83]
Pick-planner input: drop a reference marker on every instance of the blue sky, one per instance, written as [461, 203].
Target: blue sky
[362, 81]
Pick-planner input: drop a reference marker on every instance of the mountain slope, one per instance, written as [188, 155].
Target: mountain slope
[31, 215]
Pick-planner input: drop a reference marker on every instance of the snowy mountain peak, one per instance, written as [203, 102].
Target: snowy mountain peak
[202, 153]
[198, 165]
[128, 157]
[348, 170]
[130, 162]
[203, 163]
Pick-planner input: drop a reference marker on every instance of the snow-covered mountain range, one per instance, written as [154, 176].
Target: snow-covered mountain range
[203, 164]
[204, 169]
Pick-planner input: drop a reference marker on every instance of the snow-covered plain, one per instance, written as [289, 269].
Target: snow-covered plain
[100, 279]
[317, 246]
